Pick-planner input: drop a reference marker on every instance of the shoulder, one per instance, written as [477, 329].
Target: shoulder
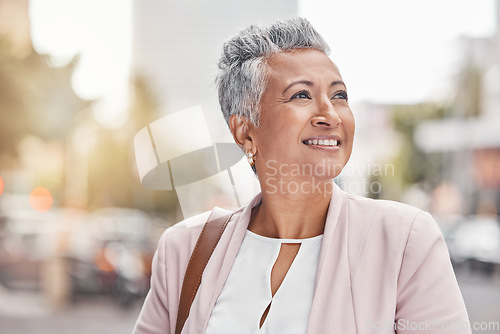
[387, 220]
[180, 239]
[389, 213]
[187, 228]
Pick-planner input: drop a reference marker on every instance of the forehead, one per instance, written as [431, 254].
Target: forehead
[297, 64]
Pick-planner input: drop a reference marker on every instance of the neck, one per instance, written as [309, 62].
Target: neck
[291, 214]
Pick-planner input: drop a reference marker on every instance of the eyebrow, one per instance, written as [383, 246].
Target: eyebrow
[309, 83]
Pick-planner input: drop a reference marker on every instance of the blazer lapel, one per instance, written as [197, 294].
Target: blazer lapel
[227, 250]
[332, 310]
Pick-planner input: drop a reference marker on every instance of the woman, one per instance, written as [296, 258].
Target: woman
[303, 256]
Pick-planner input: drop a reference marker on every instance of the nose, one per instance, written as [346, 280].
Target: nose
[326, 116]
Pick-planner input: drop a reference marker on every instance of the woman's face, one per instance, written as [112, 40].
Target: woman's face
[307, 127]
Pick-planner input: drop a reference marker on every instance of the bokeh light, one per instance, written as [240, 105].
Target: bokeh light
[41, 199]
[1, 185]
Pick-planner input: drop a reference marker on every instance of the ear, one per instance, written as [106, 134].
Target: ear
[241, 128]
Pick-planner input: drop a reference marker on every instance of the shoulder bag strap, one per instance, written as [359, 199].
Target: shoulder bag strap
[208, 239]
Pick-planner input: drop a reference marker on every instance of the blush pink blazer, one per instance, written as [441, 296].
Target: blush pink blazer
[380, 262]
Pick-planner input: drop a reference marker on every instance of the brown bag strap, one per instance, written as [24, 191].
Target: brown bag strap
[207, 241]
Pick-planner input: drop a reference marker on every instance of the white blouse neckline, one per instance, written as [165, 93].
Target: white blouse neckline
[246, 293]
[279, 240]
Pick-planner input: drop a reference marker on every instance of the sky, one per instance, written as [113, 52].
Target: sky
[393, 51]
[388, 51]
[99, 31]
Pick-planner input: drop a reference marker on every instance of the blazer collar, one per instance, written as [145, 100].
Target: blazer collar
[332, 284]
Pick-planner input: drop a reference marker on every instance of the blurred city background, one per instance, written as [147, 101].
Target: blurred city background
[84, 85]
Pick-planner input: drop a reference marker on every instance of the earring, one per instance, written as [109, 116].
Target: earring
[250, 158]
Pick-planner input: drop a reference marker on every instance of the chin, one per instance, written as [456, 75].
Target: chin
[328, 168]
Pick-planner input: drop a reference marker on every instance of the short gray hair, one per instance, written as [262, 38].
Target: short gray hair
[242, 76]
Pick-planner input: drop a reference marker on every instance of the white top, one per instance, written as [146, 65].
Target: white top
[247, 290]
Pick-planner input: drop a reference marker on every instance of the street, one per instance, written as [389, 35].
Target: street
[25, 313]
[482, 299]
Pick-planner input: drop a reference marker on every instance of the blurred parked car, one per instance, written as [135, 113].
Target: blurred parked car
[28, 239]
[112, 253]
[476, 241]
[66, 253]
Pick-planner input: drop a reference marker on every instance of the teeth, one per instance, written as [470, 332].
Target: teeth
[322, 142]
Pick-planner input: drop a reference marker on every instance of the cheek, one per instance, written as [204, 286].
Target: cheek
[271, 134]
[285, 125]
[349, 123]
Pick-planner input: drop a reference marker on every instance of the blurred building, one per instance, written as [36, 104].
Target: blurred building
[176, 45]
[471, 139]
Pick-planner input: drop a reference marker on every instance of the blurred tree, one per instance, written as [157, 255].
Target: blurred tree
[35, 99]
[467, 99]
[412, 165]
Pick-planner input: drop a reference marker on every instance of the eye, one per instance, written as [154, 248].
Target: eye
[301, 95]
[340, 95]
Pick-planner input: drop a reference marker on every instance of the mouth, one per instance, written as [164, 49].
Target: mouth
[322, 142]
